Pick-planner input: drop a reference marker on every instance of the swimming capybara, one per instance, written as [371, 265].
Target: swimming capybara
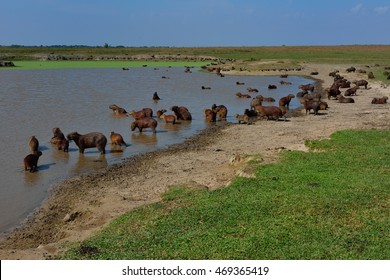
[31, 161]
[33, 143]
[58, 136]
[144, 123]
[144, 113]
[168, 118]
[89, 140]
[116, 139]
[118, 111]
[155, 96]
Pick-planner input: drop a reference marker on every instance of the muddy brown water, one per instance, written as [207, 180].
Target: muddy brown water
[32, 102]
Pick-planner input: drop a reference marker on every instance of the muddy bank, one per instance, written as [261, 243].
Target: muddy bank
[86, 204]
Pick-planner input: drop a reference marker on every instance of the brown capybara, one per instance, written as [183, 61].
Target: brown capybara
[351, 91]
[210, 115]
[361, 83]
[272, 87]
[63, 145]
[31, 161]
[270, 112]
[57, 136]
[244, 119]
[249, 89]
[159, 113]
[256, 102]
[33, 143]
[323, 105]
[220, 110]
[379, 100]
[144, 113]
[168, 118]
[182, 113]
[307, 87]
[343, 99]
[265, 99]
[333, 91]
[285, 101]
[310, 104]
[240, 95]
[118, 111]
[144, 123]
[116, 139]
[89, 140]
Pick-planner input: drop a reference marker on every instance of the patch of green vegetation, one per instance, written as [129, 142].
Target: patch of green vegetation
[331, 204]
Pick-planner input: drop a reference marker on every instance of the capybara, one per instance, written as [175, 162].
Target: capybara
[63, 145]
[33, 143]
[118, 111]
[57, 136]
[182, 113]
[270, 112]
[272, 87]
[361, 83]
[116, 139]
[343, 99]
[256, 102]
[307, 87]
[243, 119]
[155, 96]
[89, 140]
[144, 113]
[310, 104]
[220, 110]
[379, 100]
[265, 99]
[210, 115]
[31, 161]
[285, 101]
[144, 123]
[249, 89]
[351, 91]
[240, 95]
[160, 112]
[168, 118]
[333, 91]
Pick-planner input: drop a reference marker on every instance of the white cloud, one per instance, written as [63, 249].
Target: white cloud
[356, 9]
[382, 10]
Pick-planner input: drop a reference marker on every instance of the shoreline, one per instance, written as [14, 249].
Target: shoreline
[211, 159]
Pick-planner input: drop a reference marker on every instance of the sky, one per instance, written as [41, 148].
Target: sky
[194, 23]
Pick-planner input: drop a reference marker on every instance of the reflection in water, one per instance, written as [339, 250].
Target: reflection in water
[78, 100]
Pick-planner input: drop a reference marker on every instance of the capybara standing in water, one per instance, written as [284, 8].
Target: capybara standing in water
[58, 136]
[89, 140]
[144, 123]
[182, 113]
[210, 115]
[63, 145]
[116, 139]
[220, 110]
[285, 101]
[33, 143]
[31, 161]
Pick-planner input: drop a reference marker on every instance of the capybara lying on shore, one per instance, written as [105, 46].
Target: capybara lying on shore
[33, 143]
[379, 100]
[243, 119]
[89, 140]
[270, 112]
[31, 161]
[116, 139]
[182, 113]
[144, 123]
[343, 99]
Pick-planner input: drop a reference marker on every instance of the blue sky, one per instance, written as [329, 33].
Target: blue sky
[194, 22]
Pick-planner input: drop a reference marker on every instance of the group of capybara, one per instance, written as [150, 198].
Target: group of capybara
[143, 119]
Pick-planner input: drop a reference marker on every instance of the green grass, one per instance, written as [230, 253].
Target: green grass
[98, 64]
[329, 204]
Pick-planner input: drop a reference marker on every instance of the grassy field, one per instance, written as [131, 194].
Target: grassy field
[329, 204]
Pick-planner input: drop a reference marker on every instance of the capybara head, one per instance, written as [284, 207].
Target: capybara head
[73, 136]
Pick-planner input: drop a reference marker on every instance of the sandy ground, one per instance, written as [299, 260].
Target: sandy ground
[81, 206]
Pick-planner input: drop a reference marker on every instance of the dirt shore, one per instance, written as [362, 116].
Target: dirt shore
[83, 205]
